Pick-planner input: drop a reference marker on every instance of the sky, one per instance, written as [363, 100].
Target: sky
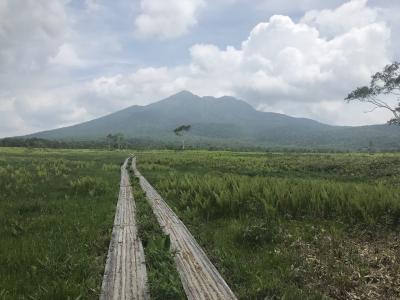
[63, 62]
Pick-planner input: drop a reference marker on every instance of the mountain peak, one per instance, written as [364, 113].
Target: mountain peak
[182, 98]
[186, 97]
[183, 93]
[224, 120]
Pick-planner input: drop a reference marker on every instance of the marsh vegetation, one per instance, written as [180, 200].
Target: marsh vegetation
[56, 215]
[276, 225]
[289, 225]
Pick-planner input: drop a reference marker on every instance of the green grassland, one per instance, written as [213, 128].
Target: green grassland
[56, 215]
[276, 225]
[290, 226]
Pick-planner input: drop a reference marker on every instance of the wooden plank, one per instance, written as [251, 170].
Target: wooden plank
[125, 274]
[200, 278]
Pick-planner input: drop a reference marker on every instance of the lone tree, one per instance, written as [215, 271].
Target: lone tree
[110, 141]
[120, 140]
[383, 86]
[180, 131]
[115, 140]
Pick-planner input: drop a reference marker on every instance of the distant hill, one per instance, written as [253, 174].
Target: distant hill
[226, 121]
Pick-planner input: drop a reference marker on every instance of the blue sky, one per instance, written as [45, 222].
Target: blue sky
[64, 62]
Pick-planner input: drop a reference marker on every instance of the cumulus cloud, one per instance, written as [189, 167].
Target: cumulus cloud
[30, 32]
[309, 66]
[302, 68]
[290, 6]
[353, 14]
[141, 87]
[166, 19]
[67, 56]
[33, 111]
[11, 122]
[303, 63]
[35, 52]
[39, 109]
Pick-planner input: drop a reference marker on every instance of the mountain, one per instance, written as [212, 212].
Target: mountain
[226, 121]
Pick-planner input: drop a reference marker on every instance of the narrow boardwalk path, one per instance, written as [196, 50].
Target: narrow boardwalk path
[125, 274]
[200, 278]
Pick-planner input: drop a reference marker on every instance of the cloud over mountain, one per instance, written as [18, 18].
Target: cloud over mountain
[166, 19]
[68, 61]
[282, 61]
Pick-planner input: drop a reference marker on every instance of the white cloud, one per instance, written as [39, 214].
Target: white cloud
[336, 112]
[32, 39]
[307, 64]
[353, 14]
[30, 32]
[141, 87]
[11, 122]
[282, 61]
[41, 109]
[290, 6]
[35, 111]
[166, 19]
[302, 68]
[67, 57]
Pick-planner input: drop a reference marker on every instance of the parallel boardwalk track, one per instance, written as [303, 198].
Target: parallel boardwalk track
[199, 276]
[125, 274]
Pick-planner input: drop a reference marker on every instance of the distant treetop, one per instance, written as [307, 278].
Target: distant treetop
[180, 129]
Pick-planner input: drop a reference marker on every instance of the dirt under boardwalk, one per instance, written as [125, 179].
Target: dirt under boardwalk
[199, 276]
[125, 274]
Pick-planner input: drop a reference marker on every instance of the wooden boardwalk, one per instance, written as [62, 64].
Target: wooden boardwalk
[125, 274]
[199, 276]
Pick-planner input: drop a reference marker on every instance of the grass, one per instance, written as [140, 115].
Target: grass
[276, 225]
[163, 278]
[239, 196]
[289, 226]
[56, 215]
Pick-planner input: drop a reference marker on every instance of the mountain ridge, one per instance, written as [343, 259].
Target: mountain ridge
[225, 120]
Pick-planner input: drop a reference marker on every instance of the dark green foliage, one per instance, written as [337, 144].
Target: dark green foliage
[178, 130]
[115, 140]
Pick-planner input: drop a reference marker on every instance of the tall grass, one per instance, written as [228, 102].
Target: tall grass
[344, 167]
[241, 196]
[289, 226]
[56, 214]
[87, 185]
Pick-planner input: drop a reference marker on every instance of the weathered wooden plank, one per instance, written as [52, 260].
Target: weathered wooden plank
[200, 278]
[125, 274]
